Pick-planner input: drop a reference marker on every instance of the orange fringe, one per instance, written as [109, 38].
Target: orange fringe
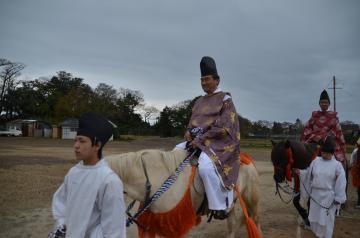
[355, 174]
[245, 158]
[251, 227]
[174, 223]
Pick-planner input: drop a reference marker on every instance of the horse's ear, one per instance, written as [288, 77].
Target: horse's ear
[287, 144]
[273, 143]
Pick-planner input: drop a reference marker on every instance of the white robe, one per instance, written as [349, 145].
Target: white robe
[353, 157]
[218, 197]
[325, 181]
[90, 202]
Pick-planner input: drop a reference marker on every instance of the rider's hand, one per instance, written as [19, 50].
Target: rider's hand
[191, 144]
[187, 136]
[297, 171]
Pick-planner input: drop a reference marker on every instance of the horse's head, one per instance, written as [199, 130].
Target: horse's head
[280, 159]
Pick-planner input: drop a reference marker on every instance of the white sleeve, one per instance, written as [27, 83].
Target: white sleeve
[59, 204]
[340, 184]
[303, 184]
[306, 176]
[113, 209]
[353, 156]
[226, 97]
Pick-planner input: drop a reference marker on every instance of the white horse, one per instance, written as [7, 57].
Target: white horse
[159, 165]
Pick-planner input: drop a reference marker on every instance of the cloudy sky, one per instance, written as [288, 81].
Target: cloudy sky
[275, 57]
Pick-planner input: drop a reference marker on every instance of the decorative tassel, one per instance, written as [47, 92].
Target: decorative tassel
[251, 227]
[174, 223]
[245, 158]
[288, 171]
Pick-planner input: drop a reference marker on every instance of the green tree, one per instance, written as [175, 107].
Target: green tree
[245, 126]
[277, 128]
[74, 104]
[104, 101]
[129, 122]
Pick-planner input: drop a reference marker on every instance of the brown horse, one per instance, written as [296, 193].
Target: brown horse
[159, 165]
[286, 156]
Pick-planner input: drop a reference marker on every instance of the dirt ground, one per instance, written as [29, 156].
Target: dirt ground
[32, 169]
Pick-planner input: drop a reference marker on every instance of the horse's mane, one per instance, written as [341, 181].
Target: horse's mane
[302, 153]
[155, 161]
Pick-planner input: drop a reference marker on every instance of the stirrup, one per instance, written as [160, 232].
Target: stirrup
[220, 214]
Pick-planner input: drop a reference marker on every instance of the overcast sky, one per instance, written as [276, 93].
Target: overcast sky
[274, 57]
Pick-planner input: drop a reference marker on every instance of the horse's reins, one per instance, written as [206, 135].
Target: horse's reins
[294, 194]
[164, 187]
[288, 177]
[285, 189]
[313, 199]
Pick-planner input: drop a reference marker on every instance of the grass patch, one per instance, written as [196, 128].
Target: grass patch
[255, 143]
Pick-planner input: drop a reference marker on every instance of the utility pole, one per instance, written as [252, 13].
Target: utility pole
[334, 89]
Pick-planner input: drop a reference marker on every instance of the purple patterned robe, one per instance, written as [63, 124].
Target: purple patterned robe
[221, 137]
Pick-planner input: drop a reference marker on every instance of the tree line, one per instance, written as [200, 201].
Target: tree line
[63, 96]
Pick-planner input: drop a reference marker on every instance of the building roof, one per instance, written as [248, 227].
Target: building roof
[70, 122]
[74, 122]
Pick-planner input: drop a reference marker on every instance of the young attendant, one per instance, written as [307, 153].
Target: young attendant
[325, 184]
[355, 170]
[90, 202]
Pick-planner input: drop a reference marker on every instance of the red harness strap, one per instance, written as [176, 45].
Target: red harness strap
[289, 165]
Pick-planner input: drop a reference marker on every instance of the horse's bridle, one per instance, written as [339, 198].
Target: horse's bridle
[287, 172]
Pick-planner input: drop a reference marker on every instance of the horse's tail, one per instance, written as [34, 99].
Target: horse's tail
[252, 229]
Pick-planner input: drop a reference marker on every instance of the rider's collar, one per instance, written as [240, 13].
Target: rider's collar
[218, 89]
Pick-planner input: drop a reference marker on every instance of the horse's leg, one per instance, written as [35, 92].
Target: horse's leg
[251, 195]
[300, 209]
[231, 224]
[253, 207]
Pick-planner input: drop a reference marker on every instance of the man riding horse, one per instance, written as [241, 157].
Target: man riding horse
[214, 115]
[325, 123]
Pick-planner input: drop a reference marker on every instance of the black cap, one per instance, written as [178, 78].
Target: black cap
[328, 145]
[324, 96]
[208, 67]
[95, 127]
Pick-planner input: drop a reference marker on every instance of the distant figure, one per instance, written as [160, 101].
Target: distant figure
[325, 184]
[355, 170]
[325, 123]
[213, 129]
[90, 202]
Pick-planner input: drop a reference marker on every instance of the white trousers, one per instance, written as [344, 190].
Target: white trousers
[218, 197]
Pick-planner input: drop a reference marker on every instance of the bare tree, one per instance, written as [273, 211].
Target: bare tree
[4, 62]
[149, 112]
[9, 72]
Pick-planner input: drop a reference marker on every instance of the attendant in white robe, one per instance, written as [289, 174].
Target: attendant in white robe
[325, 184]
[90, 202]
[355, 170]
